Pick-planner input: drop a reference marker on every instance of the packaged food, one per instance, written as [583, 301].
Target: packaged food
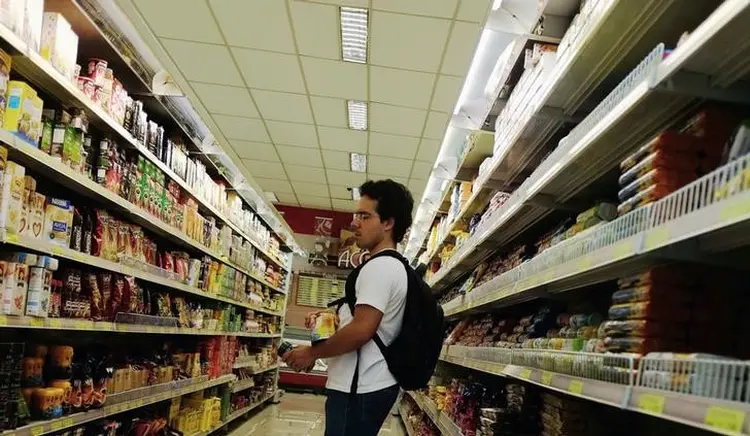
[648, 292]
[37, 300]
[665, 180]
[15, 284]
[667, 275]
[36, 215]
[324, 328]
[5, 64]
[656, 310]
[20, 110]
[641, 345]
[678, 145]
[642, 328]
[59, 44]
[58, 221]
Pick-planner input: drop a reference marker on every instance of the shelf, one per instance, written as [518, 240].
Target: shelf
[49, 248]
[446, 426]
[241, 385]
[402, 413]
[246, 363]
[712, 400]
[641, 106]
[70, 324]
[41, 73]
[236, 414]
[151, 395]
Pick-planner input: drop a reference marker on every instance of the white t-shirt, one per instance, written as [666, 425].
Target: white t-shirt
[382, 284]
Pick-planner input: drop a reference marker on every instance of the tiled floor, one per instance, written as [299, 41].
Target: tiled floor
[300, 415]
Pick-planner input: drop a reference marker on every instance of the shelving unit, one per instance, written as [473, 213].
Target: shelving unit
[586, 127]
[29, 66]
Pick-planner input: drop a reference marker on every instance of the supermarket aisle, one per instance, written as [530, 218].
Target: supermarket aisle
[300, 415]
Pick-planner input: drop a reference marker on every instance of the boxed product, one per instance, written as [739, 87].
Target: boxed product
[21, 110]
[5, 64]
[33, 18]
[11, 196]
[59, 44]
[58, 220]
[12, 15]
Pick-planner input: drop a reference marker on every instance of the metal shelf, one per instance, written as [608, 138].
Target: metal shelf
[442, 421]
[703, 393]
[642, 105]
[41, 73]
[402, 413]
[28, 322]
[236, 414]
[151, 395]
[41, 246]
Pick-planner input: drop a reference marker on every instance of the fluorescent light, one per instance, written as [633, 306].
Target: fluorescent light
[354, 34]
[355, 194]
[271, 196]
[471, 77]
[497, 73]
[358, 162]
[357, 111]
[496, 5]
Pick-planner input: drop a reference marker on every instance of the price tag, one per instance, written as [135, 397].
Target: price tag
[55, 426]
[525, 373]
[68, 422]
[724, 418]
[547, 378]
[656, 238]
[82, 325]
[734, 210]
[37, 322]
[584, 263]
[651, 403]
[37, 431]
[150, 329]
[13, 239]
[3, 320]
[623, 249]
[55, 323]
[575, 387]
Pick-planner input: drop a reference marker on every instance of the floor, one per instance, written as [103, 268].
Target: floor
[300, 415]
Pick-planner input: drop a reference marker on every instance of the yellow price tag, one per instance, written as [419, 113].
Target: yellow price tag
[584, 263]
[623, 249]
[734, 210]
[150, 329]
[36, 322]
[56, 425]
[55, 323]
[3, 320]
[82, 325]
[575, 387]
[724, 418]
[651, 403]
[36, 431]
[656, 238]
[68, 422]
[547, 378]
[525, 373]
[13, 239]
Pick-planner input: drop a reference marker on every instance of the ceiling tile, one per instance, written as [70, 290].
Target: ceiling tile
[286, 198]
[335, 78]
[345, 178]
[433, 8]
[265, 70]
[382, 144]
[402, 180]
[300, 173]
[329, 111]
[281, 106]
[274, 185]
[401, 87]
[473, 10]
[254, 150]
[388, 166]
[397, 120]
[360, 3]
[259, 168]
[406, 41]
[316, 29]
[332, 138]
[301, 135]
[191, 26]
[306, 188]
[461, 46]
[340, 192]
[336, 160]
[248, 129]
[417, 185]
[198, 62]
[344, 205]
[428, 150]
[262, 24]
[421, 170]
[227, 100]
[299, 156]
[436, 122]
[316, 202]
[446, 93]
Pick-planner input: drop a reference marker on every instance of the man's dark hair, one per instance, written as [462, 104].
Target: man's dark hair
[394, 201]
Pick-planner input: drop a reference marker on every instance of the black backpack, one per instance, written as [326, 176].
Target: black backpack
[413, 354]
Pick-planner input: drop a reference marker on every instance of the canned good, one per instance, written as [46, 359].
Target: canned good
[284, 348]
[325, 326]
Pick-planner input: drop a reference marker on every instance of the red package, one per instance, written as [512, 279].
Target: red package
[667, 180]
[100, 219]
[105, 287]
[167, 261]
[118, 297]
[672, 143]
[662, 276]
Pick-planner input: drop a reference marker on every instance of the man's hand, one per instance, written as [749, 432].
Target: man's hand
[300, 358]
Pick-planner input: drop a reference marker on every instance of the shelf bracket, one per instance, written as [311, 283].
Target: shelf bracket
[699, 85]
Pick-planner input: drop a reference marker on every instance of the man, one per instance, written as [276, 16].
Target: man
[382, 218]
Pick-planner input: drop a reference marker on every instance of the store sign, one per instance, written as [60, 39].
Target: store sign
[350, 256]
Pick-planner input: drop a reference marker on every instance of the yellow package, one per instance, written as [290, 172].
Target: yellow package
[11, 197]
[5, 62]
[19, 109]
[58, 219]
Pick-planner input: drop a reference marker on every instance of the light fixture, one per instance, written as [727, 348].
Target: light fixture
[358, 162]
[271, 196]
[354, 34]
[357, 111]
[497, 4]
[355, 194]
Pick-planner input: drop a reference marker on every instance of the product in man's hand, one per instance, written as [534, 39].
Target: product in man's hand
[324, 327]
[284, 348]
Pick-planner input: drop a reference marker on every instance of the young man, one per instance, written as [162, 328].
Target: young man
[382, 218]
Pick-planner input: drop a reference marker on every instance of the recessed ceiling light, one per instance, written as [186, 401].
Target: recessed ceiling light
[354, 34]
[271, 196]
[357, 111]
[358, 162]
[355, 194]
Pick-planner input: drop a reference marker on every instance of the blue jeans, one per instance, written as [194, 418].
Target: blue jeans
[360, 415]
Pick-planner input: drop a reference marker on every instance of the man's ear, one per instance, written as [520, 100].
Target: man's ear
[388, 224]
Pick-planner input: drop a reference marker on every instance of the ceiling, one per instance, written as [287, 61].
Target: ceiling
[270, 75]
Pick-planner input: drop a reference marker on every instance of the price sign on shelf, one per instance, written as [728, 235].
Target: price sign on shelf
[547, 378]
[656, 238]
[525, 374]
[651, 403]
[575, 387]
[724, 418]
